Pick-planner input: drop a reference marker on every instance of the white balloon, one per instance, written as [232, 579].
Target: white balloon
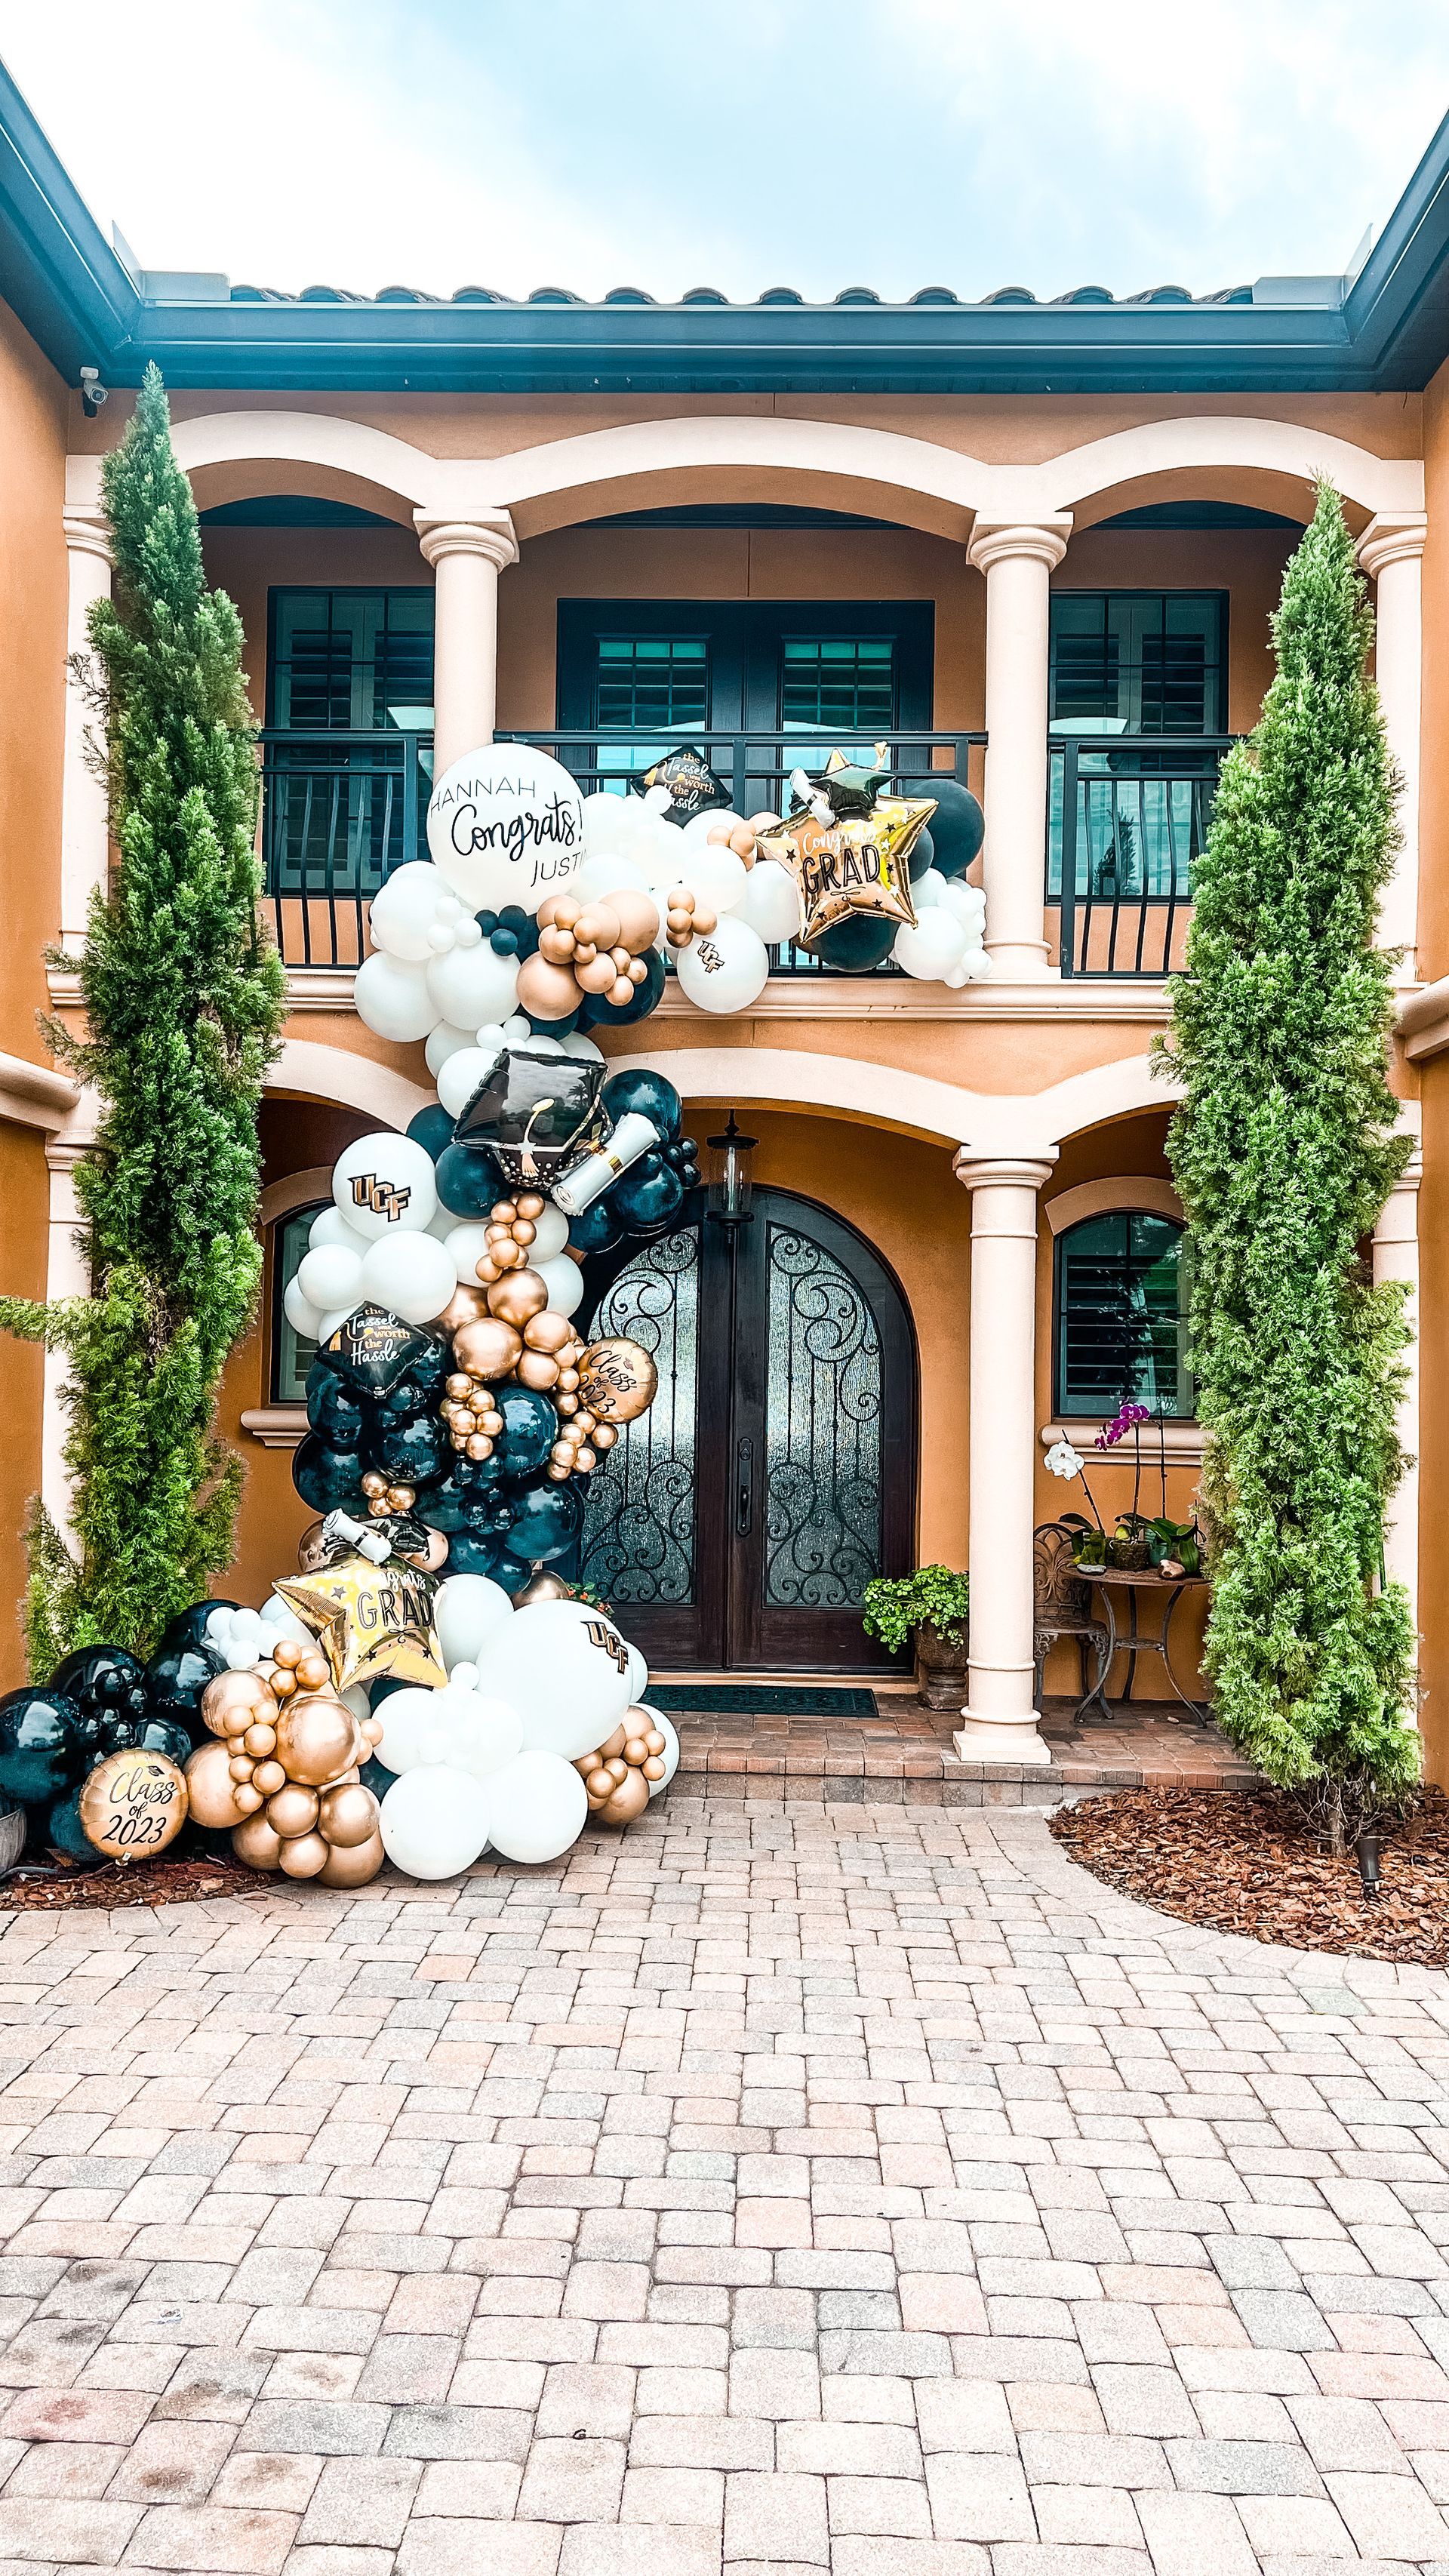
[968, 902]
[383, 1184]
[488, 1735]
[506, 825]
[606, 821]
[936, 944]
[517, 1029]
[470, 985]
[435, 1821]
[329, 1225]
[394, 1000]
[413, 1276]
[550, 1234]
[330, 1323]
[977, 966]
[718, 818]
[770, 902]
[303, 1317]
[717, 877]
[280, 1620]
[443, 1224]
[537, 1807]
[638, 1671]
[467, 1610]
[461, 1076]
[667, 1729]
[404, 912]
[545, 1046]
[565, 1669]
[564, 1281]
[610, 872]
[576, 1044]
[495, 1035]
[355, 1699]
[406, 1715]
[467, 1244]
[928, 889]
[444, 1041]
[726, 969]
[330, 1276]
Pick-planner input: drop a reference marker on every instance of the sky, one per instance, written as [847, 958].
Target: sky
[739, 144]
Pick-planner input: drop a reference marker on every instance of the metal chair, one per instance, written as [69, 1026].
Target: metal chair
[1064, 1609]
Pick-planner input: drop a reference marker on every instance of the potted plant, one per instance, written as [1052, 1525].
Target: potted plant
[932, 1604]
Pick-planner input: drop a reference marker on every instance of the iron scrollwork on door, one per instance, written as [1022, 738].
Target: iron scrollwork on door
[639, 1520]
[822, 1430]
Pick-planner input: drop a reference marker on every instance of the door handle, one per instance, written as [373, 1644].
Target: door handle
[744, 1487]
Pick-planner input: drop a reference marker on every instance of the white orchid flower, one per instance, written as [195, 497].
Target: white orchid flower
[1064, 1461]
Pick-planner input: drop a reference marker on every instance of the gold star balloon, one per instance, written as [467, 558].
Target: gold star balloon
[849, 849]
[370, 1619]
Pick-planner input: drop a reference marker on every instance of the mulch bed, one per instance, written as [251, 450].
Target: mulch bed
[156, 1882]
[1245, 1862]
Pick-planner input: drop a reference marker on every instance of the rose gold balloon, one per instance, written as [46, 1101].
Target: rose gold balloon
[530, 1204]
[598, 923]
[305, 1856]
[293, 1810]
[313, 1673]
[248, 1799]
[547, 1332]
[282, 1683]
[600, 1785]
[311, 1549]
[255, 1843]
[559, 907]
[518, 1298]
[260, 1739]
[287, 1652]
[654, 1741]
[556, 944]
[617, 1380]
[638, 917]
[268, 1777]
[537, 1369]
[463, 1307]
[210, 1788]
[234, 1701]
[596, 976]
[628, 1801]
[636, 1750]
[612, 1751]
[348, 1817]
[541, 1586]
[352, 1864]
[314, 1739]
[546, 992]
[489, 1348]
[617, 1768]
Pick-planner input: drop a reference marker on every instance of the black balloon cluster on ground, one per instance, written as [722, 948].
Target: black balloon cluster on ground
[101, 1700]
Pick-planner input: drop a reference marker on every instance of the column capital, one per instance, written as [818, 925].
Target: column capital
[1396, 537]
[1004, 1171]
[1041, 541]
[489, 534]
[87, 532]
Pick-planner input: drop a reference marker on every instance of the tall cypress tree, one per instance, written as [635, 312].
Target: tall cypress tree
[184, 1001]
[1284, 1152]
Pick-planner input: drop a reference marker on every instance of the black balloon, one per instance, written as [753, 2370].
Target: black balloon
[468, 1554]
[468, 1181]
[177, 1675]
[649, 1197]
[42, 1744]
[922, 856]
[432, 1129]
[645, 1094]
[376, 1776]
[530, 1428]
[65, 1833]
[599, 1228]
[378, 1691]
[188, 1628]
[415, 1453]
[328, 1480]
[105, 1682]
[958, 826]
[445, 1507]
[334, 1408]
[150, 1734]
[546, 1521]
[856, 944]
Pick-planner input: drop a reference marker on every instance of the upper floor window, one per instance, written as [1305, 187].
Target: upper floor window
[351, 661]
[1119, 1318]
[1138, 661]
[653, 683]
[843, 684]
[292, 1353]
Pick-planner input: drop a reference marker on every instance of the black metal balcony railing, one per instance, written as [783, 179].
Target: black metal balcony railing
[340, 811]
[1127, 820]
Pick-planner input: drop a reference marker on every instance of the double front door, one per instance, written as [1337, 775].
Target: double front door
[736, 1524]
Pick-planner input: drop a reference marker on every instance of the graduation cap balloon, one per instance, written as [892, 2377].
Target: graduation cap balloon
[537, 1115]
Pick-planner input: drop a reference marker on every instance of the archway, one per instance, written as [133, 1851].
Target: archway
[736, 1524]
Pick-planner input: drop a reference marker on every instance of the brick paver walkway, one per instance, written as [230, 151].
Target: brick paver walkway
[787, 2187]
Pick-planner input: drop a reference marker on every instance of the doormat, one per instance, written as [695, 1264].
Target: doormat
[747, 1699]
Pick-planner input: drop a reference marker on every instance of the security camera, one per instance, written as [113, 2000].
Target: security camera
[93, 392]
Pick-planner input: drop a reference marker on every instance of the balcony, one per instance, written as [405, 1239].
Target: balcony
[1127, 819]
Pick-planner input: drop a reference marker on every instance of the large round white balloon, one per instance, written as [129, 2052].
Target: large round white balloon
[434, 1820]
[301, 1314]
[506, 825]
[550, 1234]
[467, 1611]
[638, 1670]
[383, 1185]
[407, 1718]
[726, 968]
[565, 1668]
[467, 1244]
[470, 985]
[715, 818]
[329, 1225]
[460, 1077]
[330, 1276]
[444, 1041]
[770, 903]
[413, 1275]
[536, 1807]
[936, 944]
[404, 912]
[716, 875]
[393, 999]
[564, 1281]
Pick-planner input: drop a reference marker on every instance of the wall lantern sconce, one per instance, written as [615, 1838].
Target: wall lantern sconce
[730, 1186]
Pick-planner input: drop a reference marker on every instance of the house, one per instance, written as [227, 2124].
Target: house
[1033, 546]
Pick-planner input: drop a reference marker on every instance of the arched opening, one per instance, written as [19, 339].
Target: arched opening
[736, 1524]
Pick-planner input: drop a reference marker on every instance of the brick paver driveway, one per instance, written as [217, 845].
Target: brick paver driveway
[853, 2188]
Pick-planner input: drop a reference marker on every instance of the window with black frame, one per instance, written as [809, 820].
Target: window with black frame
[349, 707]
[1120, 1317]
[292, 1352]
[1136, 667]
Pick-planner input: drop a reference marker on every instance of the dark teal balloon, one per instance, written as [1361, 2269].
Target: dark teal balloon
[545, 1523]
[107, 1685]
[328, 1479]
[42, 1745]
[645, 1094]
[923, 852]
[376, 1776]
[855, 945]
[530, 1428]
[335, 1409]
[958, 826]
[177, 1675]
[432, 1129]
[552, 1028]
[415, 1453]
[188, 1628]
[152, 1734]
[649, 1197]
[65, 1833]
[446, 1507]
[599, 1228]
[605, 1015]
[469, 1554]
[468, 1181]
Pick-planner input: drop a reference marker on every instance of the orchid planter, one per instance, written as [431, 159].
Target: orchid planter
[941, 1668]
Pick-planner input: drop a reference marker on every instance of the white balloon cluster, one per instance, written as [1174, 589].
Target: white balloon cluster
[946, 945]
[489, 1761]
[245, 1638]
[630, 845]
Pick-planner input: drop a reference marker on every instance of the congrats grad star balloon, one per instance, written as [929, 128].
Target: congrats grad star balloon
[848, 847]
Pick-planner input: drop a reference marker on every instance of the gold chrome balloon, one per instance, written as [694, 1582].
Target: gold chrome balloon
[348, 1817]
[617, 1380]
[292, 1810]
[255, 1843]
[488, 1348]
[517, 1298]
[352, 1864]
[133, 1804]
[306, 1855]
[210, 1788]
[314, 1740]
[234, 1701]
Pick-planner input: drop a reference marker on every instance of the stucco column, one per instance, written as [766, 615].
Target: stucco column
[1000, 1714]
[1018, 563]
[1396, 1256]
[467, 556]
[1391, 552]
[67, 1274]
[84, 808]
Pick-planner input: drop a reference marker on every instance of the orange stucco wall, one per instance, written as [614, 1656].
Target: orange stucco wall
[1434, 1092]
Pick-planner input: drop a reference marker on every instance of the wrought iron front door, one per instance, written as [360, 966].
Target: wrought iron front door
[737, 1523]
